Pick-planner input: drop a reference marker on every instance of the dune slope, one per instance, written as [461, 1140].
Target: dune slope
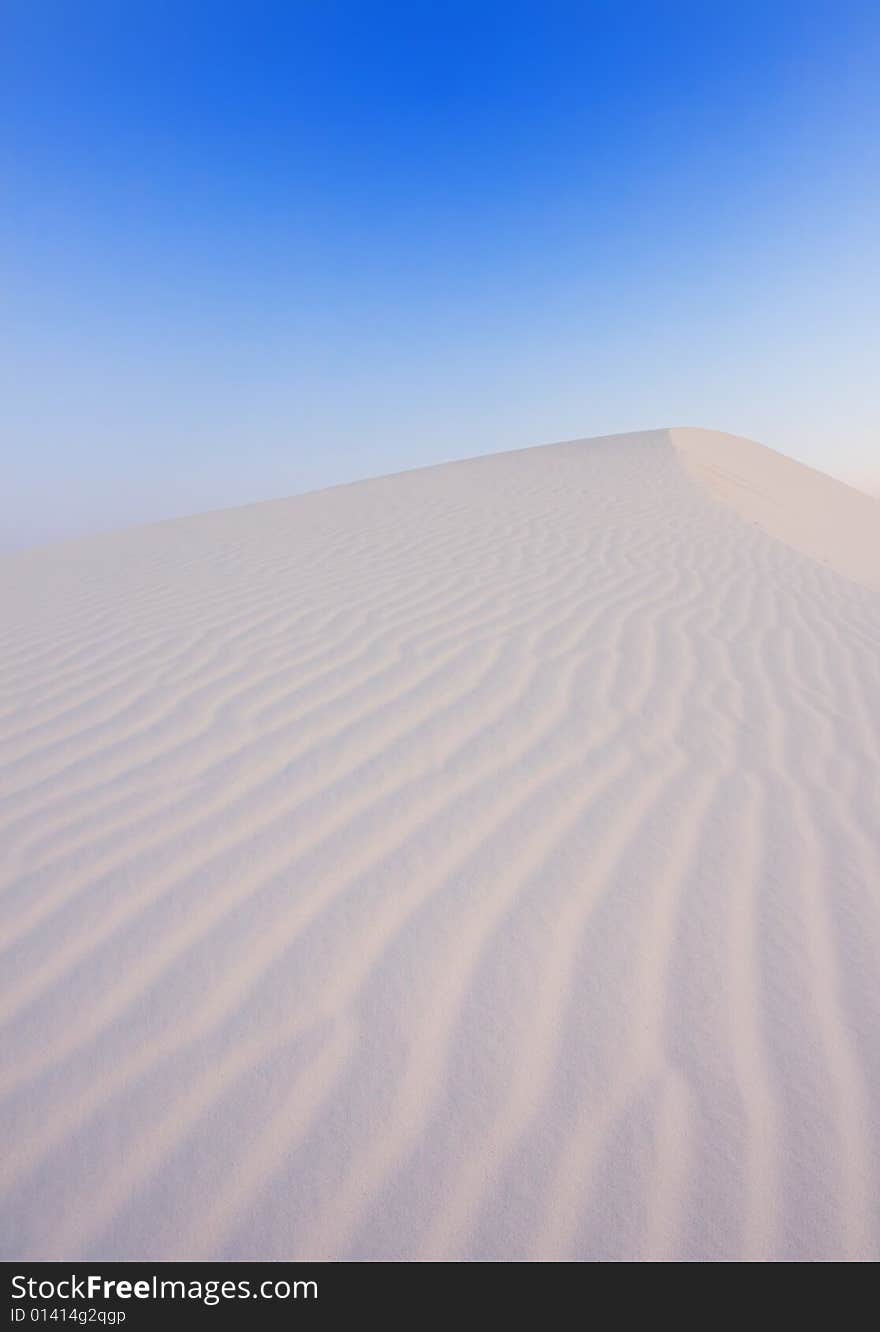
[480, 862]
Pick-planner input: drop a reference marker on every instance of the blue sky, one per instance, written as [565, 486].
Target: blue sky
[250, 249]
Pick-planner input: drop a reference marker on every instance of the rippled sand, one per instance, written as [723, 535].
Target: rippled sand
[480, 862]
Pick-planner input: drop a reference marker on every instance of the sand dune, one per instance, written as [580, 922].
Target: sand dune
[480, 862]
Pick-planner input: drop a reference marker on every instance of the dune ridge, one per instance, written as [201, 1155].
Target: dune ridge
[479, 862]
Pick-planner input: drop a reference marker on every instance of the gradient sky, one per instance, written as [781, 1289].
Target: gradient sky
[250, 249]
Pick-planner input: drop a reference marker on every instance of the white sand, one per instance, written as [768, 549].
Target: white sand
[476, 862]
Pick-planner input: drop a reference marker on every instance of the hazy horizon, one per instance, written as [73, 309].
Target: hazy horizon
[259, 250]
[867, 483]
